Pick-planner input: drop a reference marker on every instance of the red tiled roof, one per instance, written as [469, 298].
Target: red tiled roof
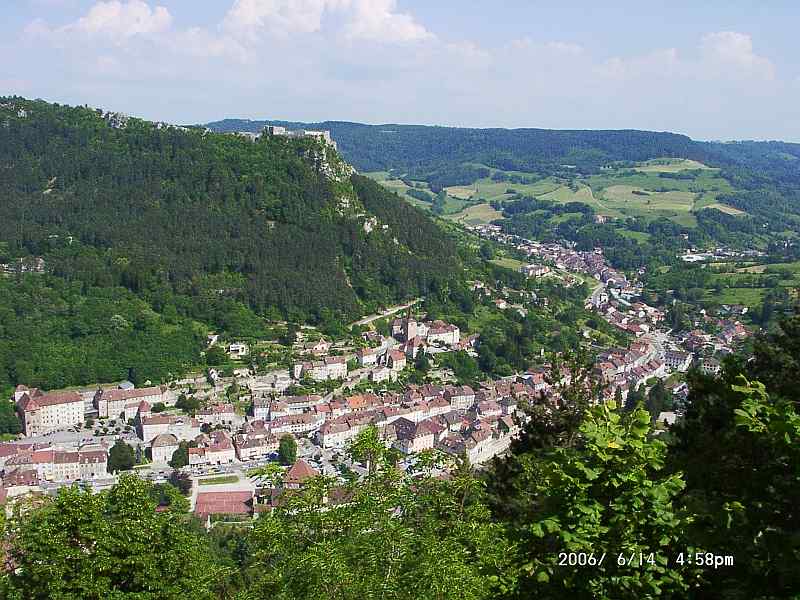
[116, 394]
[49, 399]
[224, 503]
[299, 472]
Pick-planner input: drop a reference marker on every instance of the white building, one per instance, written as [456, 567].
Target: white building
[163, 447]
[335, 435]
[460, 398]
[183, 428]
[217, 414]
[380, 374]
[255, 448]
[112, 403]
[42, 413]
[710, 366]
[89, 462]
[238, 350]
[297, 424]
[678, 361]
[444, 333]
[367, 356]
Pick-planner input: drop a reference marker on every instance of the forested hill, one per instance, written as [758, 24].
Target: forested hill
[212, 227]
[384, 147]
[276, 223]
[452, 155]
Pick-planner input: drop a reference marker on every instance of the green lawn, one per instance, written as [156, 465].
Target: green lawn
[639, 236]
[508, 263]
[462, 192]
[751, 297]
[221, 480]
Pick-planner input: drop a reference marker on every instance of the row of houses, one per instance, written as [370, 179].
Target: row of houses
[254, 441]
[431, 332]
[29, 464]
[45, 412]
[330, 367]
[591, 263]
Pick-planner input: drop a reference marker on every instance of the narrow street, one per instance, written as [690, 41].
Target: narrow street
[386, 313]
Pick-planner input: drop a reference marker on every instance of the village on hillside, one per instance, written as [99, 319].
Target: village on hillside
[222, 443]
[656, 352]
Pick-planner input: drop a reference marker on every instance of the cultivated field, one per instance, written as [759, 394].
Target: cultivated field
[662, 188]
[670, 165]
[627, 197]
[460, 192]
[476, 214]
[727, 209]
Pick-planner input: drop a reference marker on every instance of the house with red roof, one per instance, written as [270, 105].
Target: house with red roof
[224, 503]
[112, 403]
[42, 413]
[298, 474]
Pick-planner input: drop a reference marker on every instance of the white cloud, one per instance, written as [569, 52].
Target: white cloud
[469, 54]
[113, 19]
[374, 20]
[660, 63]
[200, 43]
[725, 55]
[323, 54]
[733, 49]
[528, 45]
[117, 19]
[277, 16]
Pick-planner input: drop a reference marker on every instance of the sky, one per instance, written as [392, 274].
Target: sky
[717, 69]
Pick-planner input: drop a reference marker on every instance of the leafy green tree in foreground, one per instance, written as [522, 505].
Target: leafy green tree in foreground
[740, 451]
[388, 536]
[113, 544]
[609, 495]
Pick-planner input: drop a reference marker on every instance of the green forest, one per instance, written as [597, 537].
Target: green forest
[151, 235]
[591, 504]
[451, 155]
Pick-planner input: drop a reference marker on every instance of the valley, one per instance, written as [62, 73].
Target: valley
[248, 340]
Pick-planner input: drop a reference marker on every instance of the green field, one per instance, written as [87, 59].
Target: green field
[396, 185]
[476, 214]
[748, 284]
[460, 192]
[638, 198]
[508, 263]
[670, 188]
[751, 297]
[671, 165]
[639, 236]
[583, 193]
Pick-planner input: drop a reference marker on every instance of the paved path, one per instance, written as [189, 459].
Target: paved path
[386, 313]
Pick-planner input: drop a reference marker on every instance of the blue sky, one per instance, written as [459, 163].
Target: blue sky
[712, 70]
